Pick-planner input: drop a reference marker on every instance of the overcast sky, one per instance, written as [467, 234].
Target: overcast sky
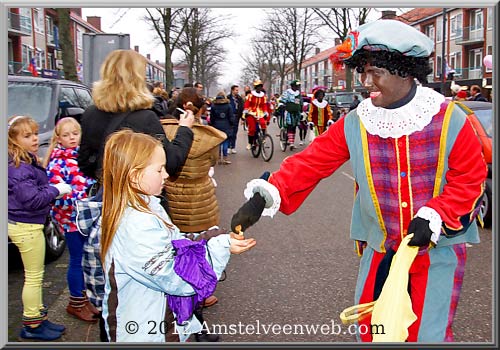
[129, 21]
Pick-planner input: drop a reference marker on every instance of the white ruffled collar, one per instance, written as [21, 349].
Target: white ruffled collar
[257, 94]
[405, 120]
[295, 93]
[321, 104]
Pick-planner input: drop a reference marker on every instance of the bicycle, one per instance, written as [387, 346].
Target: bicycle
[263, 144]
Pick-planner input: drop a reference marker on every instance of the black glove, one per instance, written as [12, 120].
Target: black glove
[249, 213]
[421, 232]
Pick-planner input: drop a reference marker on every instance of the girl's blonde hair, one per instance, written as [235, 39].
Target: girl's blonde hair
[57, 132]
[17, 125]
[123, 83]
[126, 154]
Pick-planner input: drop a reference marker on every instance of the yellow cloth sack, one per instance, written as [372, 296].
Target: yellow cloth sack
[392, 309]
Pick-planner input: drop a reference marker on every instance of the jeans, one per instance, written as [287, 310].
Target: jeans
[232, 138]
[224, 146]
[30, 241]
[74, 241]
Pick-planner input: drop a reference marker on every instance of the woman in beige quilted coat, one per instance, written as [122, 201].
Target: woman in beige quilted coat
[191, 196]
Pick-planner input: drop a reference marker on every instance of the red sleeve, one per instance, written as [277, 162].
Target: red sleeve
[319, 160]
[246, 105]
[465, 180]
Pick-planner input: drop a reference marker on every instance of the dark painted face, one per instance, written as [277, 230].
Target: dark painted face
[295, 87]
[258, 88]
[385, 88]
[320, 95]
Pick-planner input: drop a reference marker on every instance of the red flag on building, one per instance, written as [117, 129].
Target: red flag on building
[32, 67]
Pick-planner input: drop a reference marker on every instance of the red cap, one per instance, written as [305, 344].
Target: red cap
[462, 94]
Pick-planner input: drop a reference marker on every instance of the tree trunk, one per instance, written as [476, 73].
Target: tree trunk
[66, 42]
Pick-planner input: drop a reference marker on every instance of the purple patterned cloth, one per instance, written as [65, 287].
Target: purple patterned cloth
[192, 266]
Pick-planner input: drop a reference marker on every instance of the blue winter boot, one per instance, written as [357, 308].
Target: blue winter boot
[40, 333]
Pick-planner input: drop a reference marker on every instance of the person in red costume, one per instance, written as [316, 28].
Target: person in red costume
[418, 169]
[256, 110]
[320, 114]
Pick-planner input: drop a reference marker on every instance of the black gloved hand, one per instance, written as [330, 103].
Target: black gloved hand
[249, 213]
[421, 232]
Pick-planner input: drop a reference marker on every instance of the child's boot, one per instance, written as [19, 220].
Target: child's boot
[78, 307]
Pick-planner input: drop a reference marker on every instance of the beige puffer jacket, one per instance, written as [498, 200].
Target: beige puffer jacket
[191, 195]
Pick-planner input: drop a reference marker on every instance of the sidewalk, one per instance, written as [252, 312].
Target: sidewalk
[77, 331]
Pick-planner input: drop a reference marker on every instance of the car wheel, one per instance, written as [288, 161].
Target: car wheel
[55, 242]
[485, 208]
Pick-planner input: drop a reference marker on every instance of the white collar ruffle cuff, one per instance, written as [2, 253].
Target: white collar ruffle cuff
[321, 104]
[257, 94]
[402, 121]
[294, 93]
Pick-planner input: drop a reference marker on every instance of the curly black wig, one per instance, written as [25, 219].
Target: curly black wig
[394, 61]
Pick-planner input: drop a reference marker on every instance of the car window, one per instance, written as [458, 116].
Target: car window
[84, 97]
[485, 118]
[30, 99]
[67, 98]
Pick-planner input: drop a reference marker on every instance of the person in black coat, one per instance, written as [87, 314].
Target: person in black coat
[112, 98]
[475, 93]
[222, 118]
[237, 103]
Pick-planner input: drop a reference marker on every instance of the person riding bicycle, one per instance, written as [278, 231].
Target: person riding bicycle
[293, 101]
[256, 109]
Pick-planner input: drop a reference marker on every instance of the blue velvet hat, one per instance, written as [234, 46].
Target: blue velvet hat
[384, 34]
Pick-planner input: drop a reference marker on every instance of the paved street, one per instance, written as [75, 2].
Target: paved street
[302, 271]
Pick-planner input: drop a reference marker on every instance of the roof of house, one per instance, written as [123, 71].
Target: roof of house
[417, 14]
[319, 57]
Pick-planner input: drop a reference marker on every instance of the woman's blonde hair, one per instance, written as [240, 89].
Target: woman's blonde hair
[57, 132]
[123, 83]
[126, 154]
[17, 125]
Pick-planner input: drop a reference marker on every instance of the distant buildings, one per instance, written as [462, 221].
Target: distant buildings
[33, 37]
[467, 39]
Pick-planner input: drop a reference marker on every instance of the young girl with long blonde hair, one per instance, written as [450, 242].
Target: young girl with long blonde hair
[30, 196]
[62, 166]
[144, 254]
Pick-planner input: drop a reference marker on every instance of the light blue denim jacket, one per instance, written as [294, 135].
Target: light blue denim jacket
[143, 259]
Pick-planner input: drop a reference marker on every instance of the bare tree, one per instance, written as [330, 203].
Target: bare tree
[273, 52]
[169, 24]
[201, 44]
[296, 29]
[67, 47]
[341, 21]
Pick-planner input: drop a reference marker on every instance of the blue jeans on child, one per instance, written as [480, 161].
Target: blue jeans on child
[74, 241]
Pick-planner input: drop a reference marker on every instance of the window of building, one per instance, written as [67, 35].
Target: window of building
[40, 58]
[489, 17]
[476, 20]
[50, 61]
[429, 31]
[38, 18]
[439, 30]
[475, 63]
[456, 26]
[439, 66]
[489, 51]
[79, 38]
[50, 26]
[456, 62]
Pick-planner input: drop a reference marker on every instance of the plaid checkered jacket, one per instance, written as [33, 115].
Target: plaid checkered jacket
[88, 220]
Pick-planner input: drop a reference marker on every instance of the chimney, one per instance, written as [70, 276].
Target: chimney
[136, 48]
[157, 62]
[317, 51]
[95, 21]
[148, 56]
[388, 14]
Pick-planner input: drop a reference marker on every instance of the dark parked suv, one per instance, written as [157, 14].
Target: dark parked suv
[341, 100]
[47, 101]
